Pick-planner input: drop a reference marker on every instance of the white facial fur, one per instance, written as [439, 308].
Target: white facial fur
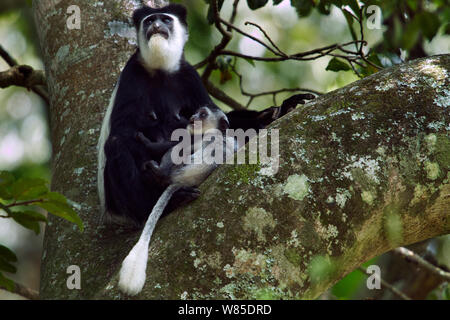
[160, 53]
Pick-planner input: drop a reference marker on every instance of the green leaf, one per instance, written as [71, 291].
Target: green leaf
[6, 283]
[6, 266]
[29, 189]
[251, 61]
[57, 205]
[54, 196]
[29, 220]
[337, 65]
[6, 180]
[29, 224]
[256, 4]
[7, 254]
[29, 215]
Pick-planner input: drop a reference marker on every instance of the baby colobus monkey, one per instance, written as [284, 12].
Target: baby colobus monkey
[175, 176]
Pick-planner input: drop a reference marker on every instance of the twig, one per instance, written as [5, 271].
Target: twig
[6, 56]
[410, 256]
[7, 210]
[24, 203]
[210, 61]
[24, 291]
[273, 93]
[266, 35]
[222, 96]
[301, 56]
[234, 12]
[389, 286]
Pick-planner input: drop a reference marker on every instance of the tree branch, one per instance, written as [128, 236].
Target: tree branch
[23, 291]
[222, 96]
[418, 260]
[7, 57]
[272, 93]
[36, 89]
[210, 61]
[22, 76]
[389, 286]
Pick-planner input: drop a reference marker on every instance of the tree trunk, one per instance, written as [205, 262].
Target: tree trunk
[363, 169]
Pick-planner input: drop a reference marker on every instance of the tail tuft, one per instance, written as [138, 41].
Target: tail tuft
[133, 270]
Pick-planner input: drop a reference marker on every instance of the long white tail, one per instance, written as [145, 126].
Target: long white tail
[132, 273]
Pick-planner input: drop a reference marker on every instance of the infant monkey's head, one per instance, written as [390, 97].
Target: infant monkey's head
[205, 119]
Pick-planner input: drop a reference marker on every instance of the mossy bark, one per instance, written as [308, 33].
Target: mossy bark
[363, 169]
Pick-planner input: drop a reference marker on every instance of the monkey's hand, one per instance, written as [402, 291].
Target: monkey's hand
[156, 149]
[290, 103]
[273, 113]
[140, 137]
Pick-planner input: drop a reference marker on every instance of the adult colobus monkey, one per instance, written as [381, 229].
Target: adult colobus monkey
[157, 92]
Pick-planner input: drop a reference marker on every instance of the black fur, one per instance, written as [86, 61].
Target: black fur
[175, 9]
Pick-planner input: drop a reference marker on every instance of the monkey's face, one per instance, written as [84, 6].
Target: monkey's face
[158, 24]
[161, 37]
[205, 119]
[201, 121]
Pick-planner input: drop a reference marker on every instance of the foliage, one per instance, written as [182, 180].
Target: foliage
[20, 200]
[408, 24]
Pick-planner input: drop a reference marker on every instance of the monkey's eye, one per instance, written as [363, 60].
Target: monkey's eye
[203, 115]
[167, 20]
[149, 20]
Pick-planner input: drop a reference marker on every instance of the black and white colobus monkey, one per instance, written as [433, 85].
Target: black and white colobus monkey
[157, 92]
[175, 176]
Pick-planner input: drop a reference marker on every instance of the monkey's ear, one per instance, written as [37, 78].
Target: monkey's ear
[180, 11]
[223, 124]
